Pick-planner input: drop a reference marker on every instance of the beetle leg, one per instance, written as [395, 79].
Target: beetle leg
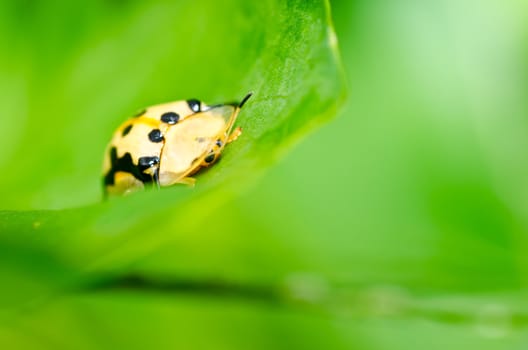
[155, 177]
[234, 135]
[189, 181]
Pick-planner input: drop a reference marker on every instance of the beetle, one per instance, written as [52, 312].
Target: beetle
[165, 144]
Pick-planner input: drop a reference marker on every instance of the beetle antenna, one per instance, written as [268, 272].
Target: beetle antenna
[244, 100]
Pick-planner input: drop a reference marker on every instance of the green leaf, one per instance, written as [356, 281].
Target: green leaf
[76, 87]
[73, 74]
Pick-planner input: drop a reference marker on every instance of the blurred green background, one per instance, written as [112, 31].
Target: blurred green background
[401, 224]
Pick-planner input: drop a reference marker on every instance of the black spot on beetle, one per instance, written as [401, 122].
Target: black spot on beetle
[170, 117]
[155, 136]
[219, 143]
[210, 158]
[125, 164]
[127, 130]
[194, 105]
[145, 163]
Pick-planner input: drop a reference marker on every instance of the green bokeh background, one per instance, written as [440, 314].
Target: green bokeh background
[401, 224]
[424, 172]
